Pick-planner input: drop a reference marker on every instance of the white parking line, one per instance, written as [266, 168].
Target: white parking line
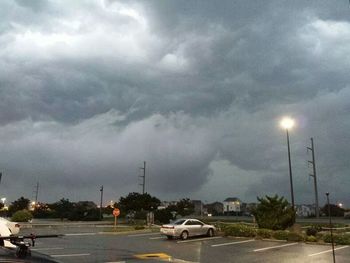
[197, 239]
[70, 255]
[47, 248]
[156, 238]
[267, 248]
[141, 235]
[233, 243]
[81, 234]
[327, 251]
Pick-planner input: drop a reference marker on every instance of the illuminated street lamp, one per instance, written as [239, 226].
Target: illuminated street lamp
[288, 123]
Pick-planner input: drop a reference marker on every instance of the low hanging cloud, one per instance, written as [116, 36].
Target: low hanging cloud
[89, 90]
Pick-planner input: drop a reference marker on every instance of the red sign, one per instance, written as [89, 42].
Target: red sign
[116, 212]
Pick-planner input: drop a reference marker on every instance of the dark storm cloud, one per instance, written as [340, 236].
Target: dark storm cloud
[91, 89]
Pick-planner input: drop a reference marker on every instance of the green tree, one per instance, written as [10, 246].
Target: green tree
[62, 208]
[274, 213]
[137, 202]
[20, 204]
[184, 207]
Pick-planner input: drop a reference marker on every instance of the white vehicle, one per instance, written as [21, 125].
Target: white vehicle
[8, 228]
[12, 226]
[187, 227]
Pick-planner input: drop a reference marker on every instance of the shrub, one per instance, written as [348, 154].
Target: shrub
[311, 231]
[139, 227]
[274, 213]
[265, 233]
[163, 216]
[239, 230]
[281, 235]
[22, 216]
[341, 239]
[310, 239]
[296, 237]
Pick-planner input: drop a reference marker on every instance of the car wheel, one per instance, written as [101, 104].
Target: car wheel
[210, 232]
[184, 235]
[169, 237]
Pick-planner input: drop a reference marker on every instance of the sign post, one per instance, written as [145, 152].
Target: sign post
[116, 213]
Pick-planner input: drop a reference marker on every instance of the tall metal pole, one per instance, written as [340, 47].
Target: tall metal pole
[101, 190]
[330, 225]
[143, 177]
[312, 149]
[36, 192]
[290, 171]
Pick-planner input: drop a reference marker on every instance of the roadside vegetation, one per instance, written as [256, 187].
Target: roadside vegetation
[275, 219]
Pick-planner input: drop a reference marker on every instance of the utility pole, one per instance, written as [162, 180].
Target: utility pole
[0, 176]
[101, 190]
[36, 192]
[312, 149]
[330, 225]
[143, 177]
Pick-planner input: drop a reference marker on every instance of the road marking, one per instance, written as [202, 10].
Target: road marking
[327, 251]
[70, 255]
[47, 248]
[156, 238]
[153, 255]
[141, 235]
[233, 243]
[81, 234]
[267, 248]
[197, 239]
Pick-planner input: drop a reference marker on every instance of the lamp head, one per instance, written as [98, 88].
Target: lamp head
[287, 123]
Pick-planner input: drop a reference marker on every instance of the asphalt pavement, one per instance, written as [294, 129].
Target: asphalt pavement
[95, 244]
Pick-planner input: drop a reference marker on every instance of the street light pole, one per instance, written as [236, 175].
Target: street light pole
[290, 171]
[330, 225]
[288, 123]
[101, 201]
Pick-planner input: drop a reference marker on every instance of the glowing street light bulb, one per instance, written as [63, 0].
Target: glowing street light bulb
[287, 123]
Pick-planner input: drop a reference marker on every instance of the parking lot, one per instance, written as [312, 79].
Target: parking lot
[93, 244]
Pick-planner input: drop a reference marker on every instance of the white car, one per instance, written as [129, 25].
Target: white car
[187, 227]
[12, 226]
[8, 228]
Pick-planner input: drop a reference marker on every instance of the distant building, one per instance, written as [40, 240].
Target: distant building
[215, 208]
[166, 204]
[198, 207]
[305, 210]
[232, 206]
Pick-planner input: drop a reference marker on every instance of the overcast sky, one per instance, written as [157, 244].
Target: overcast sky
[91, 89]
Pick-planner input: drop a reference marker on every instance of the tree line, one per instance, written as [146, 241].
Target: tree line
[132, 206]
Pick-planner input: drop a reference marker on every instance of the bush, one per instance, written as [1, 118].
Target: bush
[239, 230]
[310, 239]
[163, 216]
[311, 231]
[139, 227]
[341, 239]
[274, 213]
[296, 237]
[280, 235]
[22, 216]
[265, 233]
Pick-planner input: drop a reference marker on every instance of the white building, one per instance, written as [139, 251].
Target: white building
[305, 210]
[232, 205]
